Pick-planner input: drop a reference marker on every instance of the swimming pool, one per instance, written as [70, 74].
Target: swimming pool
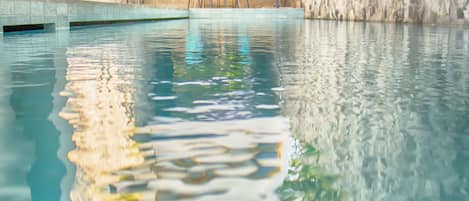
[235, 110]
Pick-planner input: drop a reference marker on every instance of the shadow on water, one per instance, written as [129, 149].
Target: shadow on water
[32, 167]
[46, 171]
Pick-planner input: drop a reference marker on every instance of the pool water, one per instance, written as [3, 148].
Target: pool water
[249, 110]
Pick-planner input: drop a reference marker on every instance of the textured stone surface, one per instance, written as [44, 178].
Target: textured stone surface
[409, 11]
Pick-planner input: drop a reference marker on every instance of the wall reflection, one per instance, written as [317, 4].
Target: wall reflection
[226, 147]
[384, 107]
[207, 140]
[176, 116]
[192, 110]
[100, 108]
[103, 86]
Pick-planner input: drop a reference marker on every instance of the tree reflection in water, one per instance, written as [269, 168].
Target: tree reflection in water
[305, 181]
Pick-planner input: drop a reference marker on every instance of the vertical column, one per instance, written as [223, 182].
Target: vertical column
[62, 22]
[2, 13]
[57, 14]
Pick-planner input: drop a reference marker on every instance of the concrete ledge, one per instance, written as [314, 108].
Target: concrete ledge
[228, 13]
[60, 14]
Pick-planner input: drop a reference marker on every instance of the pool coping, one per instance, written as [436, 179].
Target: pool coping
[59, 15]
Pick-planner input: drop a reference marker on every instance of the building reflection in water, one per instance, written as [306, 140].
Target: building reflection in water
[380, 123]
[100, 93]
[156, 118]
[208, 121]
[208, 140]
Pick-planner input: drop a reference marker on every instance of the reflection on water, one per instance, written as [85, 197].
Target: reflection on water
[223, 110]
[100, 105]
[30, 167]
[175, 116]
[385, 106]
[215, 160]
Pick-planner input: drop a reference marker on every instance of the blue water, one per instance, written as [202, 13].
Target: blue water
[235, 110]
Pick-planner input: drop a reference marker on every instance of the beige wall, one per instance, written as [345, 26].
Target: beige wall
[119, 1]
[167, 3]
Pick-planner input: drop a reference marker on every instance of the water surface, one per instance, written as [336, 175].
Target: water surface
[246, 110]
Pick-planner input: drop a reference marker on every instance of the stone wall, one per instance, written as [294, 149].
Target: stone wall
[408, 11]
[119, 1]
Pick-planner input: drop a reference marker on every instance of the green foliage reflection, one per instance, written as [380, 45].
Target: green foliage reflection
[305, 182]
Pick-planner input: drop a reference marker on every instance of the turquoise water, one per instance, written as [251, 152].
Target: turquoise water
[221, 110]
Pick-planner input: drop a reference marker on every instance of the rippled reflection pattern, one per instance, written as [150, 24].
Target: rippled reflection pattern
[100, 109]
[176, 116]
[385, 106]
[230, 160]
[195, 110]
